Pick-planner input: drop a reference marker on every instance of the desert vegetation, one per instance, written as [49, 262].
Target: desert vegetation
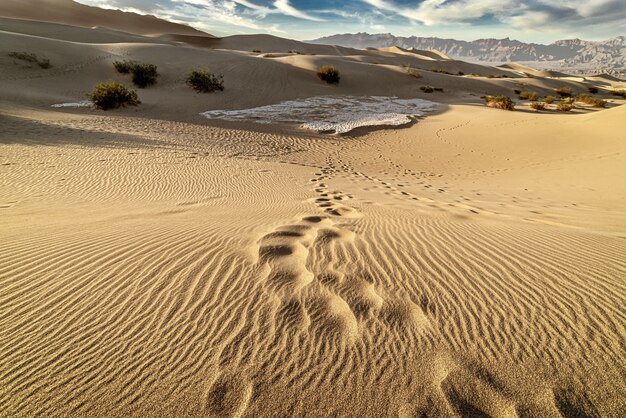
[619, 93]
[112, 95]
[328, 74]
[529, 95]
[548, 99]
[427, 89]
[563, 91]
[413, 72]
[144, 75]
[31, 58]
[564, 106]
[538, 106]
[203, 81]
[500, 102]
[592, 89]
[590, 100]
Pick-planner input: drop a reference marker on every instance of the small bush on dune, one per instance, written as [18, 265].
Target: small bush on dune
[517, 91]
[548, 100]
[593, 101]
[529, 95]
[258, 51]
[111, 95]
[563, 91]
[538, 106]
[413, 72]
[328, 74]
[619, 93]
[461, 73]
[427, 89]
[32, 58]
[568, 100]
[123, 67]
[564, 107]
[144, 75]
[203, 81]
[500, 102]
[592, 89]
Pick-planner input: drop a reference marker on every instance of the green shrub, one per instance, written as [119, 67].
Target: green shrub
[123, 67]
[538, 106]
[548, 99]
[563, 91]
[590, 100]
[427, 89]
[328, 74]
[111, 95]
[32, 58]
[144, 75]
[203, 81]
[564, 107]
[500, 102]
[620, 93]
[529, 95]
[592, 89]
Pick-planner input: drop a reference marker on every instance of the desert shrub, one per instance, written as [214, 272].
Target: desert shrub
[144, 75]
[529, 95]
[413, 72]
[111, 95]
[328, 74]
[123, 67]
[427, 89]
[203, 81]
[568, 100]
[500, 102]
[564, 107]
[460, 73]
[258, 51]
[538, 106]
[620, 93]
[590, 100]
[32, 58]
[270, 56]
[563, 91]
[592, 89]
[438, 88]
[439, 70]
[517, 91]
[548, 99]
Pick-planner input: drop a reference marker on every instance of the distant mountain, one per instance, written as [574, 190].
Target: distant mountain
[573, 55]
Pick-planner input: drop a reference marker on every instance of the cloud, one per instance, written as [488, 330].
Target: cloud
[287, 9]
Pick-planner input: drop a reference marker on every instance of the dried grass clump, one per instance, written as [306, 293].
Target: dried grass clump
[427, 89]
[548, 100]
[564, 107]
[529, 95]
[538, 106]
[563, 91]
[590, 100]
[413, 72]
[619, 93]
[31, 58]
[203, 81]
[500, 102]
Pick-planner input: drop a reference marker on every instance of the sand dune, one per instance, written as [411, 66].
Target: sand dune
[154, 262]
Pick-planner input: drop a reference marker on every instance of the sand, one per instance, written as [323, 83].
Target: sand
[154, 262]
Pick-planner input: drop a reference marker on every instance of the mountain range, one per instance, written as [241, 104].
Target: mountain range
[574, 55]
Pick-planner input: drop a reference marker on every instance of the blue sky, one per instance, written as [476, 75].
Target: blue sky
[531, 21]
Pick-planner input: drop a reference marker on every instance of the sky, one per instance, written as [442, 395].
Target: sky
[541, 21]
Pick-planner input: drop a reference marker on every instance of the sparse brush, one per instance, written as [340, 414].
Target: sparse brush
[144, 75]
[123, 67]
[538, 106]
[413, 72]
[43, 63]
[517, 91]
[111, 95]
[590, 100]
[500, 102]
[563, 91]
[592, 89]
[328, 74]
[258, 51]
[564, 107]
[203, 81]
[461, 73]
[548, 100]
[427, 89]
[440, 89]
[529, 95]
[568, 100]
[619, 93]
[270, 56]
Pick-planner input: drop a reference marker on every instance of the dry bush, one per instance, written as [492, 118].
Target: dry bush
[144, 75]
[529, 95]
[538, 106]
[590, 100]
[413, 72]
[592, 89]
[563, 91]
[619, 93]
[564, 107]
[548, 100]
[32, 58]
[203, 81]
[427, 89]
[500, 102]
[328, 74]
[111, 95]
[517, 91]
[124, 67]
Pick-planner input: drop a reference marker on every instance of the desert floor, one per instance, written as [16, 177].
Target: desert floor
[153, 264]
